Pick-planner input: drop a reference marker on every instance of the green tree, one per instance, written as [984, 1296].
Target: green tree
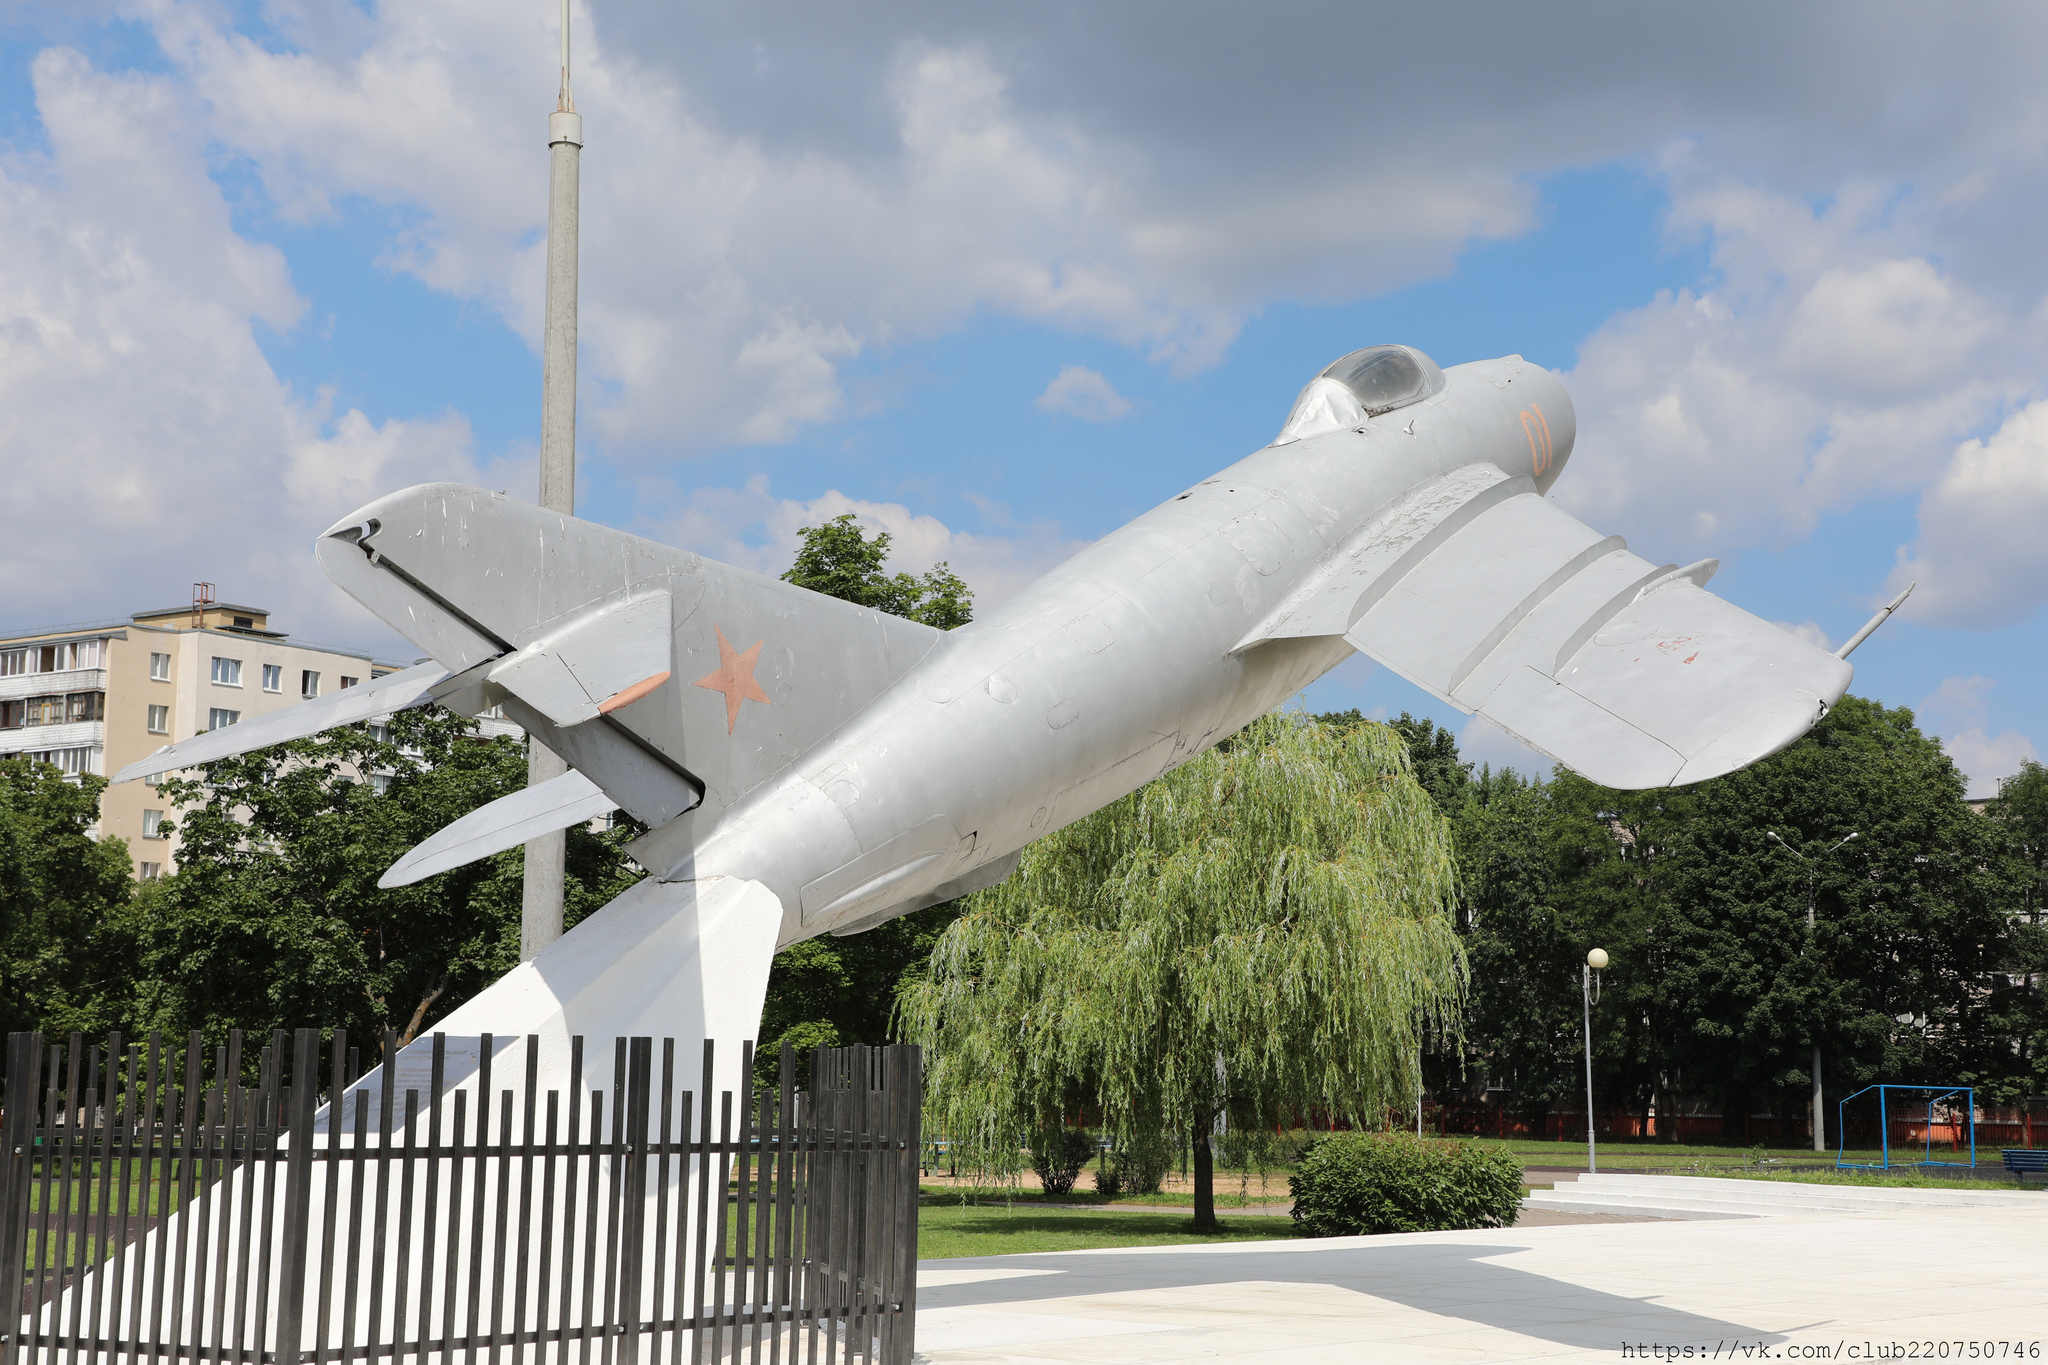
[1909, 919]
[840, 560]
[1612, 854]
[1522, 940]
[1917, 968]
[1432, 753]
[63, 959]
[274, 918]
[2021, 812]
[1263, 933]
[2017, 1011]
[825, 992]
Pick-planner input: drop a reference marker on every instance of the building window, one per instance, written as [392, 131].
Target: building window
[380, 782]
[53, 658]
[309, 683]
[347, 681]
[227, 672]
[219, 718]
[160, 667]
[150, 872]
[273, 678]
[159, 720]
[152, 779]
[70, 762]
[85, 706]
[245, 623]
[152, 824]
[47, 710]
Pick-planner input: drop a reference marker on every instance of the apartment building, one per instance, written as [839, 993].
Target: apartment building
[93, 698]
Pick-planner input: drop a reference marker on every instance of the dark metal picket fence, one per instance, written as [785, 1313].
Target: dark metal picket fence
[154, 1208]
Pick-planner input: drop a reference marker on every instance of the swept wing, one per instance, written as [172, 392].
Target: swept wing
[1476, 588]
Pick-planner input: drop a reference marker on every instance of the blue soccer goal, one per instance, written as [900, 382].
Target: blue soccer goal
[1899, 1102]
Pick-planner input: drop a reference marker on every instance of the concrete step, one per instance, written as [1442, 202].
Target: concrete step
[1797, 1191]
[1646, 1208]
[1672, 1196]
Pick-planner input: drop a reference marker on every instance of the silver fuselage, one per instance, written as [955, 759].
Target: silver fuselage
[1116, 665]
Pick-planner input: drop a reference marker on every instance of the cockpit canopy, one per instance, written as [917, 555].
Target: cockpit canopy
[1383, 378]
[1359, 386]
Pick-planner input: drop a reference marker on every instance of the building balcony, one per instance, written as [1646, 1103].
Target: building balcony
[21, 685]
[74, 734]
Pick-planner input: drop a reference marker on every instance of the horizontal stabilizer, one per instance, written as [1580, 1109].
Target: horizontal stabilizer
[410, 687]
[558, 803]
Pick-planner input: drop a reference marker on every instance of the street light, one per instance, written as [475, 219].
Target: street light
[1820, 1141]
[1589, 995]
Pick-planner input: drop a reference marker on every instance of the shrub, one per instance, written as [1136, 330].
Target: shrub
[1355, 1183]
[1108, 1181]
[1057, 1158]
[1136, 1166]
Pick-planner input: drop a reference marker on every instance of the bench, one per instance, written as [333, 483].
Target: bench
[2026, 1161]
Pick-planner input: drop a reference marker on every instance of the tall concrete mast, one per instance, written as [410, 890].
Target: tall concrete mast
[541, 910]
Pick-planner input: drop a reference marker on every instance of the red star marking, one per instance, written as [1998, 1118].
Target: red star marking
[734, 677]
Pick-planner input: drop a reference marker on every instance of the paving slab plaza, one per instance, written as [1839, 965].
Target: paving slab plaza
[1962, 1283]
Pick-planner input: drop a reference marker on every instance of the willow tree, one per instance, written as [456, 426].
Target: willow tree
[1263, 933]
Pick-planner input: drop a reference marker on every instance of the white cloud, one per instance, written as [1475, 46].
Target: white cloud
[358, 460]
[1984, 759]
[1981, 556]
[1958, 707]
[147, 442]
[1830, 363]
[723, 284]
[1896, 328]
[1083, 393]
[751, 527]
[773, 191]
[1808, 631]
[1958, 701]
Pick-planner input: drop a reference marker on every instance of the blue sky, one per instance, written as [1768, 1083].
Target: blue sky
[281, 258]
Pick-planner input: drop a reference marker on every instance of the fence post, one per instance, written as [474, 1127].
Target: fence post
[17, 1162]
[633, 1212]
[906, 1079]
[304, 1097]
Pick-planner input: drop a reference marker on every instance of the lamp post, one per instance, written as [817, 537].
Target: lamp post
[1589, 995]
[1820, 1140]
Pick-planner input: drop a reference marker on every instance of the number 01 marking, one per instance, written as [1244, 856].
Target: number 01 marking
[1538, 431]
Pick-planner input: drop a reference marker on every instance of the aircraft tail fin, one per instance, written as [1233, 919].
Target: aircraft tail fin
[671, 681]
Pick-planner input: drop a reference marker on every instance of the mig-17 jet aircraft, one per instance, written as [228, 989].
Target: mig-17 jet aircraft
[805, 766]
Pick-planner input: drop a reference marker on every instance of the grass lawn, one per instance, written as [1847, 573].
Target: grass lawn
[1027, 1192]
[1639, 1154]
[1993, 1178]
[947, 1230]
